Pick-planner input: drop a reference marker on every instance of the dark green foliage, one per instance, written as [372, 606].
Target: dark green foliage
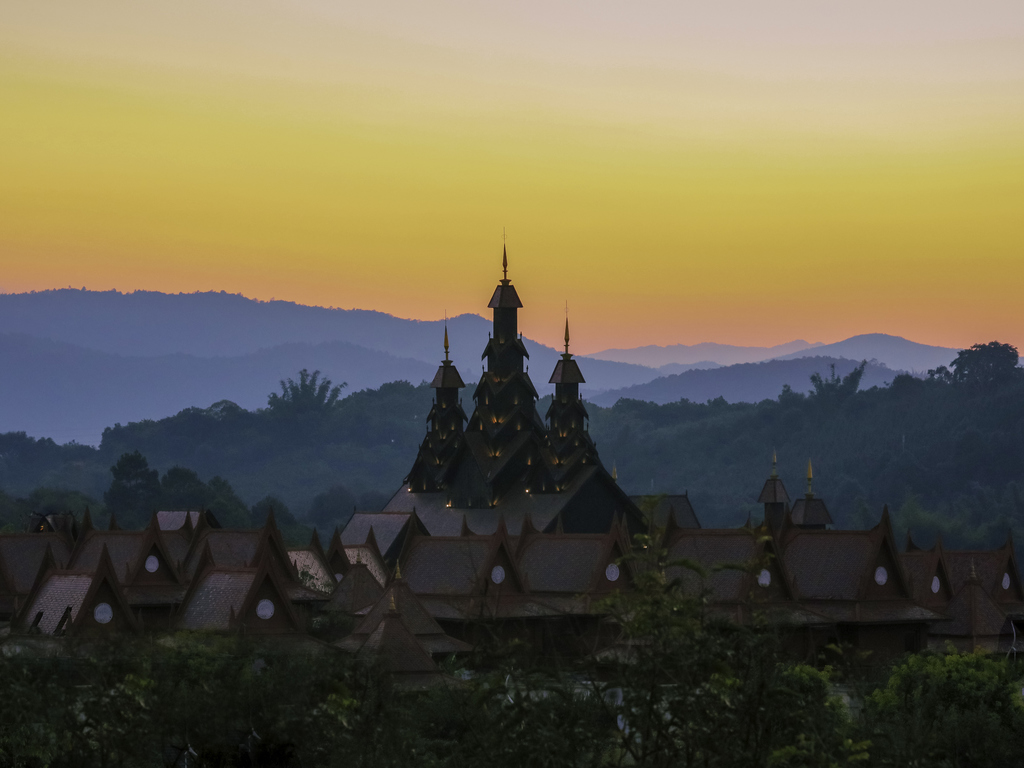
[135, 490]
[307, 397]
[954, 710]
[333, 507]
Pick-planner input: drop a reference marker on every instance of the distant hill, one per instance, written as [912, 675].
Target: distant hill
[688, 354]
[744, 383]
[890, 351]
[58, 390]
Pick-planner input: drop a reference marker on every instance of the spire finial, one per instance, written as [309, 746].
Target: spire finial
[810, 478]
[446, 335]
[567, 329]
[615, 472]
[775, 461]
[504, 255]
[392, 605]
[974, 571]
[398, 570]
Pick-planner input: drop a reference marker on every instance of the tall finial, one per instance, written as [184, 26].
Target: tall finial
[567, 330]
[775, 461]
[398, 570]
[392, 606]
[810, 478]
[446, 335]
[615, 472]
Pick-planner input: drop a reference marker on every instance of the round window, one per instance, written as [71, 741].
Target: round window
[764, 578]
[881, 576]
[103, 613]
[1006, 581]
[265, 609]
[337, 577]
[612, 572]
[497, 574]
[935, 585]
[152, 563]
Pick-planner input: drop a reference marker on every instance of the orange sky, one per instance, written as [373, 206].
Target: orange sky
[748, 174]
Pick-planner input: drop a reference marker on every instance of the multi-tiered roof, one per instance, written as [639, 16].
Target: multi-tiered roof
[507, 463]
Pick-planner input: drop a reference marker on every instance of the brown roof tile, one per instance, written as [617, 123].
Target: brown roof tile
[445, 566]
[23, 554]
[211, 603]
[57, 593]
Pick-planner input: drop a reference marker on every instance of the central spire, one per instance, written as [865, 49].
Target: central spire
[504, 264]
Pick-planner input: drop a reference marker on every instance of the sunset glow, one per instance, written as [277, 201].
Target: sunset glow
[676, 176]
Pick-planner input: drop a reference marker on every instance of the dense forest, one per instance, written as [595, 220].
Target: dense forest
[946, 452]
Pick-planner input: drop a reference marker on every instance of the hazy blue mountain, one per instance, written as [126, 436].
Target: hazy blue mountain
[58, 390]
[891, 351]
[671, 368]
[687, 354]
[745, 382]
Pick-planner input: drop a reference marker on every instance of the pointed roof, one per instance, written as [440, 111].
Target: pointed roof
[505, 296]
[357, 590]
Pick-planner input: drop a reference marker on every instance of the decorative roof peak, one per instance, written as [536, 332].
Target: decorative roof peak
[446, 337]
[810, 479]
[775, 461]
[504, 262]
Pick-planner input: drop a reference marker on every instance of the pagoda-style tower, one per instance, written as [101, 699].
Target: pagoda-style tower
[434, 461]
[774, 497]
[505, 431]
[568, 438]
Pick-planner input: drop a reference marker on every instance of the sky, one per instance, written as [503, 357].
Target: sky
[745, 172]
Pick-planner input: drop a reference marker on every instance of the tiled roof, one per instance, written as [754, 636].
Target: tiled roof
[810, 511]
[971, 612]
[123, 547]
[370, 559]
[56, 594]
[988, 564]
[774, 492]
[566, 564]
[386, 527]
[445, 566]
[710, 548]
[829, 564]
[177, 547]
[308, 563]
[920, 567]
[677, 504]
[396, 649]
[357, 590]
[210, 605]
[23, 554]
[174, 519]
[229, 548]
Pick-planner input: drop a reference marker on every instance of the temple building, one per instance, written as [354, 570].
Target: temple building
[503, 462]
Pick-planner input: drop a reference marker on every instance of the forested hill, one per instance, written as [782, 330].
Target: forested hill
[948, 451]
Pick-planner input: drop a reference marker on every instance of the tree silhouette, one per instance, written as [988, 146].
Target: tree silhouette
[307, 395]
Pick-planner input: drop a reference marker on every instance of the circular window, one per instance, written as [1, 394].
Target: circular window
[935, 585]
[764, 578]
[612, 572]
[152, 563]
[497, 574]
[881, 576]
[1006, 581]
[337, 577]
[103, 613]
[265, 609]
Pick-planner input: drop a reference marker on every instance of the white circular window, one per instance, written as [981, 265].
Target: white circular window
[764, 578]
[1006, 581]
[881, 576]
[103, 613]
[497, 574]
[612, 572]
[337, 577]
[152, 563]
[265, 609]
[935, 585]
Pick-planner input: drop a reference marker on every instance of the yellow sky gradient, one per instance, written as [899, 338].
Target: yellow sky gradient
[724, 183]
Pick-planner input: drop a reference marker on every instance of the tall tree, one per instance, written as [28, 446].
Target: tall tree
[307, 395]
[985, 366]
[135, 489]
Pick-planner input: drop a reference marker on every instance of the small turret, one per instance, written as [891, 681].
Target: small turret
[774, 497]
[810, 511]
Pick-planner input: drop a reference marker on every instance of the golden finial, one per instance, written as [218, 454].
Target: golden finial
[567, 334]
[391, 600]
[445, 335]
[775, 461]
[398, 570]
[810, 477]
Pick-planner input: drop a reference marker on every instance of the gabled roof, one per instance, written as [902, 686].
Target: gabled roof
[396, 649]
[711, 549]
[185, 520]
[357, 590]
[122, 546]
[674, 506]
[216, 598]
[415, 617]
[387, 530]
[451, 566]
[23, 553]
[972, 613]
